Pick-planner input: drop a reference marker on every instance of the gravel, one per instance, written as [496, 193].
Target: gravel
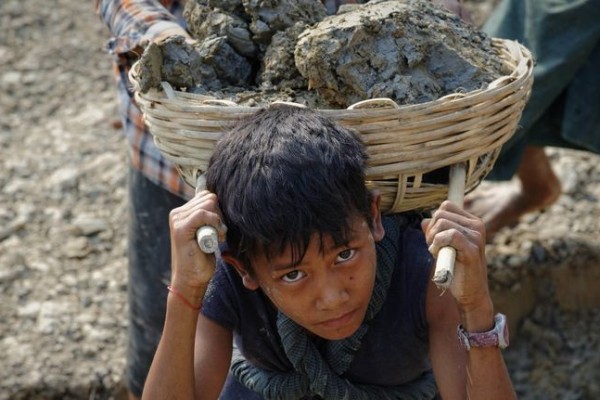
[63, 209]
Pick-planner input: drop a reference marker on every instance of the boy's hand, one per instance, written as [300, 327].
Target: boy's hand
[452, 226]
[192, 269]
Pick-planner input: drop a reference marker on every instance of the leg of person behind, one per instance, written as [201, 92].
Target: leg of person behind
[149, 273]
[503, 204]
[564, 38]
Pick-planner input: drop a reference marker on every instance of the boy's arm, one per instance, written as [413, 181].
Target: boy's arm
[193, 356]
[476, 374]
[479, 373]
[189, 339]
[448, 359]
[212, 357]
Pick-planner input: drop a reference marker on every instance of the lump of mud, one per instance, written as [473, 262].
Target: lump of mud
[242, 43]
[222, 65]
[249, 25]
[174, 61]
[213, 64]
[278, 66]
[410, 51]
[271, 16]
[256, 20]
[206, 22]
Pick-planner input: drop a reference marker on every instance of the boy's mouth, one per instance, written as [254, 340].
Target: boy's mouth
[340, 321]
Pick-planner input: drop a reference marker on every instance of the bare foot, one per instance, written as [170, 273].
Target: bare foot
[497, 204]
[504, 203]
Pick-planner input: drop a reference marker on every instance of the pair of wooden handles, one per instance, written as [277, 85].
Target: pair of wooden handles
[208, 239]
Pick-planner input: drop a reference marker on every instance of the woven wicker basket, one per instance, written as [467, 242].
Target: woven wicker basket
[404, 142]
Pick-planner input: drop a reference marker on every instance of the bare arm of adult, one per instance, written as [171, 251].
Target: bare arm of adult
[479, 373]
[172, 372]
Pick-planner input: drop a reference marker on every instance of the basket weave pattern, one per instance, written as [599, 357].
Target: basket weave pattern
[404, 142]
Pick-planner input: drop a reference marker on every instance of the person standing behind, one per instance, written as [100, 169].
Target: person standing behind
[564, 37]
[155, 187]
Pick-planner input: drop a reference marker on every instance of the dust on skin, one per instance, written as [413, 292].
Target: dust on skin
[274, 293]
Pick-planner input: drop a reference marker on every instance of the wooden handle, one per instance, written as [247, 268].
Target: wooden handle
[444, 266]
[206, 236]
[208, 239]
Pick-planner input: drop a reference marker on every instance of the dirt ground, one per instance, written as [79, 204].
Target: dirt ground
[63, 210]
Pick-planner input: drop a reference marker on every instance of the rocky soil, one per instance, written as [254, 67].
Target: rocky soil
[62, 230]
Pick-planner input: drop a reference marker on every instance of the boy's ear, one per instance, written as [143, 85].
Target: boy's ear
[247, 279]
[378, 230]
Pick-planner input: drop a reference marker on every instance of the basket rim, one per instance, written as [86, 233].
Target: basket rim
[467, 127]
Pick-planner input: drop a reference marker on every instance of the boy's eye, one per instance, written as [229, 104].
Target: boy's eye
[293, 276]
[345, 255]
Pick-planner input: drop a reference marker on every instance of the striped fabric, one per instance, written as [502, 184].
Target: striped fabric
[129, 22]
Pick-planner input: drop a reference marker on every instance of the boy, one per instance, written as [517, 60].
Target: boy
[323, 297]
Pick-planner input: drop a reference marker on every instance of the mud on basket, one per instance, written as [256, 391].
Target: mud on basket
[410, 146]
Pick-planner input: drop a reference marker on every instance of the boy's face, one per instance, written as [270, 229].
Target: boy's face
[329, 291]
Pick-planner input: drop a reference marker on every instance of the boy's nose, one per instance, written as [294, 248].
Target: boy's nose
[332, 294]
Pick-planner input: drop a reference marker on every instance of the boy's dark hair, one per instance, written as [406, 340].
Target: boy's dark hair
[283, 174]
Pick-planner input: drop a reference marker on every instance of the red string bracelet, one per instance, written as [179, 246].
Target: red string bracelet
[182, 298]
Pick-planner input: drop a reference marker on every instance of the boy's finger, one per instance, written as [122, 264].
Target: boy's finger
[442, 239]
[221, 231]
[448, 205]
[202, 218]
[453, 237]
[190, 220]
[204, 200]
[461, 218]
[425, 224]
[473, 234]
[200, 197]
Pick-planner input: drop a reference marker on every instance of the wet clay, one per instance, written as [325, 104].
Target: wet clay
[249, 43]
[254, 52]
[411, 52]
[278, 67]
[212, 64]
[173, 61]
